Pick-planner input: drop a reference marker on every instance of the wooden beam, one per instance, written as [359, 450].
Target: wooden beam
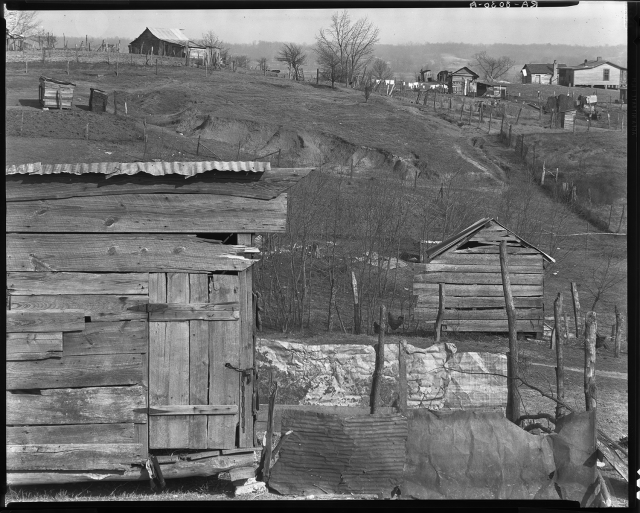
[590, 389]
[119, 337]
[98, 307]
[461, 278]
[377, 372]
[149, 213]
[513, 400]
[194, 409]
[39, 321]
[43, 283]
[93, 405]
[485, 259]
[495, 314]
[33, 346]
[73, 456]
[475, 268]
[441, 308]
[425, 301]
[75, 371]
[491, 326]
[191, 311]
[456, 290]
[618, 463]
[120, 253]
[72, 434]
[560, 341]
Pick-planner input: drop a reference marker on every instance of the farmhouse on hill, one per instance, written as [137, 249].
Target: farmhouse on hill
[130, 316]
[541, 73]
[160, 41]
[468, 264]
[599, 74]
[463, 82]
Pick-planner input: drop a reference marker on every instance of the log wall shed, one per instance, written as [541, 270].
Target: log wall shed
[468, 264]
[130, 316]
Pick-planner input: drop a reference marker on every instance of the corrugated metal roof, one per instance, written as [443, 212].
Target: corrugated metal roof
[170, 35]
[445, 245]
[186, 169]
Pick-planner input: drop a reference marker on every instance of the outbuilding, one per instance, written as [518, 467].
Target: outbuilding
[130, 316]
[463, 82]
[468, 264]
[160, 41]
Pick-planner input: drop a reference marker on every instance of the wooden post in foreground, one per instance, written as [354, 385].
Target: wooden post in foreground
[513, 400]
[266, 465]
[618, 339]
[356, 306]
[377, 372]
[557, 314]
[576, 309]
[518, 115]
[402, 377]
[490, 119]
[590, 361]
[440, 318]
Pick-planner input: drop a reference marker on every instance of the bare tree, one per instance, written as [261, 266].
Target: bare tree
[210, 38]
[262, 63]
[242, 61]
[380, 70]
[607, 276]
[328, 58]
[23, 23]
[493, 68]
[294, 56]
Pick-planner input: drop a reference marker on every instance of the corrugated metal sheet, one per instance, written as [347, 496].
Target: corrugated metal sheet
[331, 453]
[186, 169]
[170, 35]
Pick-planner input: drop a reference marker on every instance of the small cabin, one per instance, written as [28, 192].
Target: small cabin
[55, 94]
[468, 264]
[98, 100]
[130, 316]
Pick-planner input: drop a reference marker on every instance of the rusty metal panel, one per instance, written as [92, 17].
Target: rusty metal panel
[331, 453]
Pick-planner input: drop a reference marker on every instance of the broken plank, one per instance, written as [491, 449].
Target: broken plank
[194, 409]
[120, 253]
[148, 213]
[476, 268]
[21, 321]
[72, 456]
[43, 283]
[242, 450]
[236, 474]
[95, 405]
[116, 337]
[479, 302]
[122, 433]
[75, 371]
[191, 311]
[33, 346]
[201, 455]
[486, 259]
[491, 325]
[454, 290]
[495, 249]
[98, 307]
[615, 460]
[478, 278]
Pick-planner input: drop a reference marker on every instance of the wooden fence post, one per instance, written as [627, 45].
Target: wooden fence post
[67, 67]
[543, 173]
[156, 66]
[198, 147]
[266, 465]
[518, 115]
[576, 309]
[470, 111]
[513, 399]
[440, 318]
[115, 103]
[624, 206]
[462, 109]
[356, 306]
[590, 390]
[490, 119]
[402, 377]
[510, 125]
[560, 341]
[618, 338]
[377, 373]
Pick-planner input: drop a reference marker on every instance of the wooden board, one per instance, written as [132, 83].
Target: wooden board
[119, 253]
[42, 283]
[246, 358]
[118, 337]
[194, 409]
[521, 313]
[39, 321]
[33, 346]
[198, 361]
[269, 185]
[75, 371]
[479, 302]
[486, 259]
[149, 213]
[477, 290]
[73, 456]
[478, 278]
[97, 307]
[495, 249]
[95, 405]
[491, 326]
[194, 311]
[72, 434]
[479, 268]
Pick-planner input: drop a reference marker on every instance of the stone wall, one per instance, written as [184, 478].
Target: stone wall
[340, 375]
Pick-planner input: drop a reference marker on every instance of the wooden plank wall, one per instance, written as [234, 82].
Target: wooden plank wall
[76, 392]
[473, 285]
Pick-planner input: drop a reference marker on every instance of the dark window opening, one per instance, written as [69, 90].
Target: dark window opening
[605, 74]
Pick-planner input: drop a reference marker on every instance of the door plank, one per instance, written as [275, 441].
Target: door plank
[246, 355]
[98, 307]
[192, 311]
[198, 360]
[454, 290]
[117, 337]
[194, 409]
[122, 433]
[33, 346]
[478, 278]
[40, 321]
[43, 283]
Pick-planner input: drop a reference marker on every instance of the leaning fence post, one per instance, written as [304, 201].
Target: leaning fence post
[576, 308]
[513, 402]
[557, 314]
[402, 377]
[377, 373]
[518, 115]
[266, 465]
[440, 318]
[590, 390]
[198, 147]
[618, 339]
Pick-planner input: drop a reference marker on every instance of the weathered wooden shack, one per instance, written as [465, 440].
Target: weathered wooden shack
[130, 316]
[468, 264]
[463, 82]
[54, 93]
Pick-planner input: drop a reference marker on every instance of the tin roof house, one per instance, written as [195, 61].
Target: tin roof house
[541, 73]
[599, 74]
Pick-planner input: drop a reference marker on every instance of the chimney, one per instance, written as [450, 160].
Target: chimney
[598, 58]
[585, 62]
[554, 77]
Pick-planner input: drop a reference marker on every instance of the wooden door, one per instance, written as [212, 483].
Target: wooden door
[194, 398]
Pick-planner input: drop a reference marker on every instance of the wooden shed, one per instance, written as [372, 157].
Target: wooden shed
[468, 264]
[98, 100]
[54, 93]
[130, 316]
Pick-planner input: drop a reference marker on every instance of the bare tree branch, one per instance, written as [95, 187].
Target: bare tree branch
[294, 56]
[493, 68]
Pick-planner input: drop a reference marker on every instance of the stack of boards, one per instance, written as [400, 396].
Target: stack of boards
[55, 94]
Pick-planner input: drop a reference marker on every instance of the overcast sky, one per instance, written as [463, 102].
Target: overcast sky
[589, 23]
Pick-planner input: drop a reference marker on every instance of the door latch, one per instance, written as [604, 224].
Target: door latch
[246, 373]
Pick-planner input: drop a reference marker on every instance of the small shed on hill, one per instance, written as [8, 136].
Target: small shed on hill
[468, 264]
[463, 82]
[54, 93]
[130, 316]
[160, 41]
